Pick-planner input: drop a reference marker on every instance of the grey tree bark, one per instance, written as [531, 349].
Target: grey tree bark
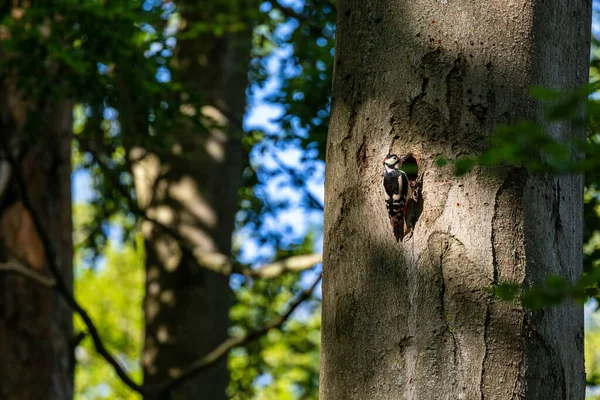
[192, 188]
[409, 320]
[36, 331]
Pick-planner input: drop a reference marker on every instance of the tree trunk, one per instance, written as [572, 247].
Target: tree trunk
[192, 188]
[36, 328]
[409, 320]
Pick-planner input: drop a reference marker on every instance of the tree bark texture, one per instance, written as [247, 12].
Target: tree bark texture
[410, 320]
[36, 329]
[192, 188]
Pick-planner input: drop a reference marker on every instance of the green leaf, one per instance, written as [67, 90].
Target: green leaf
[463, 166]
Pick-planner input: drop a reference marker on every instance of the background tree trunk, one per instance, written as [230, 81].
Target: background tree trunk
[192, 188]
[409, 320]
[36, 328]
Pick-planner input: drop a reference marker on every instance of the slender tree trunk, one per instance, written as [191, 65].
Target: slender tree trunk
[409, 320]
[192, 187]
[36, 329]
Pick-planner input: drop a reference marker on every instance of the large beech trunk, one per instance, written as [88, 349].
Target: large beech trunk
[192, 188]
[409, 320]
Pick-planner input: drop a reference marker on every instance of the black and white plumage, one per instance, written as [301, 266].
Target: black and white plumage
[397, 191]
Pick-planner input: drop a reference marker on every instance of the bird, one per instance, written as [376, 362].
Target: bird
[397, 191]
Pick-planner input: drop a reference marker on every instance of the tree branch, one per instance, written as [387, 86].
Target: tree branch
[221, 263]
[290, 264]
[14, 266]
[223, 349]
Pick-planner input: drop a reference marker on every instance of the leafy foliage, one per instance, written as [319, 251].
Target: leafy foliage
[592, 356]
[114, 294]
[284, 364]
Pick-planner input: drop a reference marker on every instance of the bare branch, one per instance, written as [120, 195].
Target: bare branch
[221, 263]
[290, 264]
[14, 266]
[223, 349]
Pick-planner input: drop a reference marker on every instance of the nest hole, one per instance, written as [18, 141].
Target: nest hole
[410, 166]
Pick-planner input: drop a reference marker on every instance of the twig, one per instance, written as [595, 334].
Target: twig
[14, 266]
[221, 263]
[78, 338]
[298, 181]
[222, 350]
[290, 264]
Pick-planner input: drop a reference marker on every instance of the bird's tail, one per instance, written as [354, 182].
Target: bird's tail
[398, 226]
[396, 210]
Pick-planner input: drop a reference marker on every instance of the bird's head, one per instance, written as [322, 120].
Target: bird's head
[391, 160]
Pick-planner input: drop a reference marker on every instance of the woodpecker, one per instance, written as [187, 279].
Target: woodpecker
[398, 191]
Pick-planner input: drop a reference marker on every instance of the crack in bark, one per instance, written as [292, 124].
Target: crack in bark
[556, 209]
[493, 236]
[558, 225]
[418, 98]
[449, 328]
[486, 349]
[345, 197]
[505, 237]
[519, 368]
[454, 91]
[494, 283]
[361, 153]
[564, 386]
[353, 105]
